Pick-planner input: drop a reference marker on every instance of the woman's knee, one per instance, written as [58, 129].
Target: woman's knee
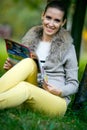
[29, 62]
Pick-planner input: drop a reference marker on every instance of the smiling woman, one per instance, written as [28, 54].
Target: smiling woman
[52, 46]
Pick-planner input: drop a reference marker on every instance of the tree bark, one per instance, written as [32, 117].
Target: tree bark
[77, 24]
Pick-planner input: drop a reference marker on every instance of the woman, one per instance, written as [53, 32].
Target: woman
[53, 46]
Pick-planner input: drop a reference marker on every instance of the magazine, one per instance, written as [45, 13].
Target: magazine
[16, 51]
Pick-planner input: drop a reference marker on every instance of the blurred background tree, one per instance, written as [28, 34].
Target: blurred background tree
[21, 15]
[78, 24]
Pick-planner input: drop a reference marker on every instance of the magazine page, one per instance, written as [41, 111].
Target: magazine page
[16, 51]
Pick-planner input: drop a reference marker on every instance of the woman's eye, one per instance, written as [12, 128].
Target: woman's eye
[48, 17]
[57, 20]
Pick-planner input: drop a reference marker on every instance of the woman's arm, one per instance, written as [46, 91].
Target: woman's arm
[71, 73]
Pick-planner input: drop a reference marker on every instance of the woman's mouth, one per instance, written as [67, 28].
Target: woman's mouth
[49, 29]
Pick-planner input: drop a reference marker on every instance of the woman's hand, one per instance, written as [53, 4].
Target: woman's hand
[7, 65]
[52, 89]
[35, 58]
[33, 55]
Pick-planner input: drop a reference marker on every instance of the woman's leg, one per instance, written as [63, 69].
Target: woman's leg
[35, 98]
[45, 102]
[15, 96]
[25, 69]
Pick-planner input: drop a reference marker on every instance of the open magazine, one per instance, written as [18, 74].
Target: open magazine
[16, 51]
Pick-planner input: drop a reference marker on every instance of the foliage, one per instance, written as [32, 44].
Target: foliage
[20, 15]
[31, 3]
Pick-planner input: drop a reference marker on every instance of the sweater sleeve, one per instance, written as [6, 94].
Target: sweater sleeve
[71, 73]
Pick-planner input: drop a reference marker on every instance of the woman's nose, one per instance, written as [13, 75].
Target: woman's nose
[51, 23]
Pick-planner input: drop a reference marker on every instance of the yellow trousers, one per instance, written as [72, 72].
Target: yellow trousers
[19, 85]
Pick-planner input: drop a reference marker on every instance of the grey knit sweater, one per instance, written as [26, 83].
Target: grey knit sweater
[61, 64]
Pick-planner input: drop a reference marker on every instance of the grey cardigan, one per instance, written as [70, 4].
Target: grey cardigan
[61, 63]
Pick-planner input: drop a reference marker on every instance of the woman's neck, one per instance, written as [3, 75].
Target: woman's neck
[46, 38]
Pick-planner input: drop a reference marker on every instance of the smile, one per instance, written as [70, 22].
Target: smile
[49, 29]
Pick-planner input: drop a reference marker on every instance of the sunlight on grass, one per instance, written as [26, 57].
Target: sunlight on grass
[3, 55]
[82, 64]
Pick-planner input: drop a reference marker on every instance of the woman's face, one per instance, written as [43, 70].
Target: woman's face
[52, 21]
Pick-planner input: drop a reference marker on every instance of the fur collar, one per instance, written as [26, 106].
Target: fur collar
[60, 42]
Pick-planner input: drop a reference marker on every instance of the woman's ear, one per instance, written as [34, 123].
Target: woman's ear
[63, 23]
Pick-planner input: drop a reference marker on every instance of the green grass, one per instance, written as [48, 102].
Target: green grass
[3, 56]
[24, 119]
[82, 64]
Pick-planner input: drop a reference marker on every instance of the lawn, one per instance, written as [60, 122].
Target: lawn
[24, 119]
[3, 56]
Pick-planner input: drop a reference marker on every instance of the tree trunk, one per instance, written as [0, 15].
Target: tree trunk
[77, 24]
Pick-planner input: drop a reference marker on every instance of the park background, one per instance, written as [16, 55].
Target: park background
[16, 18]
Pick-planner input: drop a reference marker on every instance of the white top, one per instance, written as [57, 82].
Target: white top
[42, 52]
